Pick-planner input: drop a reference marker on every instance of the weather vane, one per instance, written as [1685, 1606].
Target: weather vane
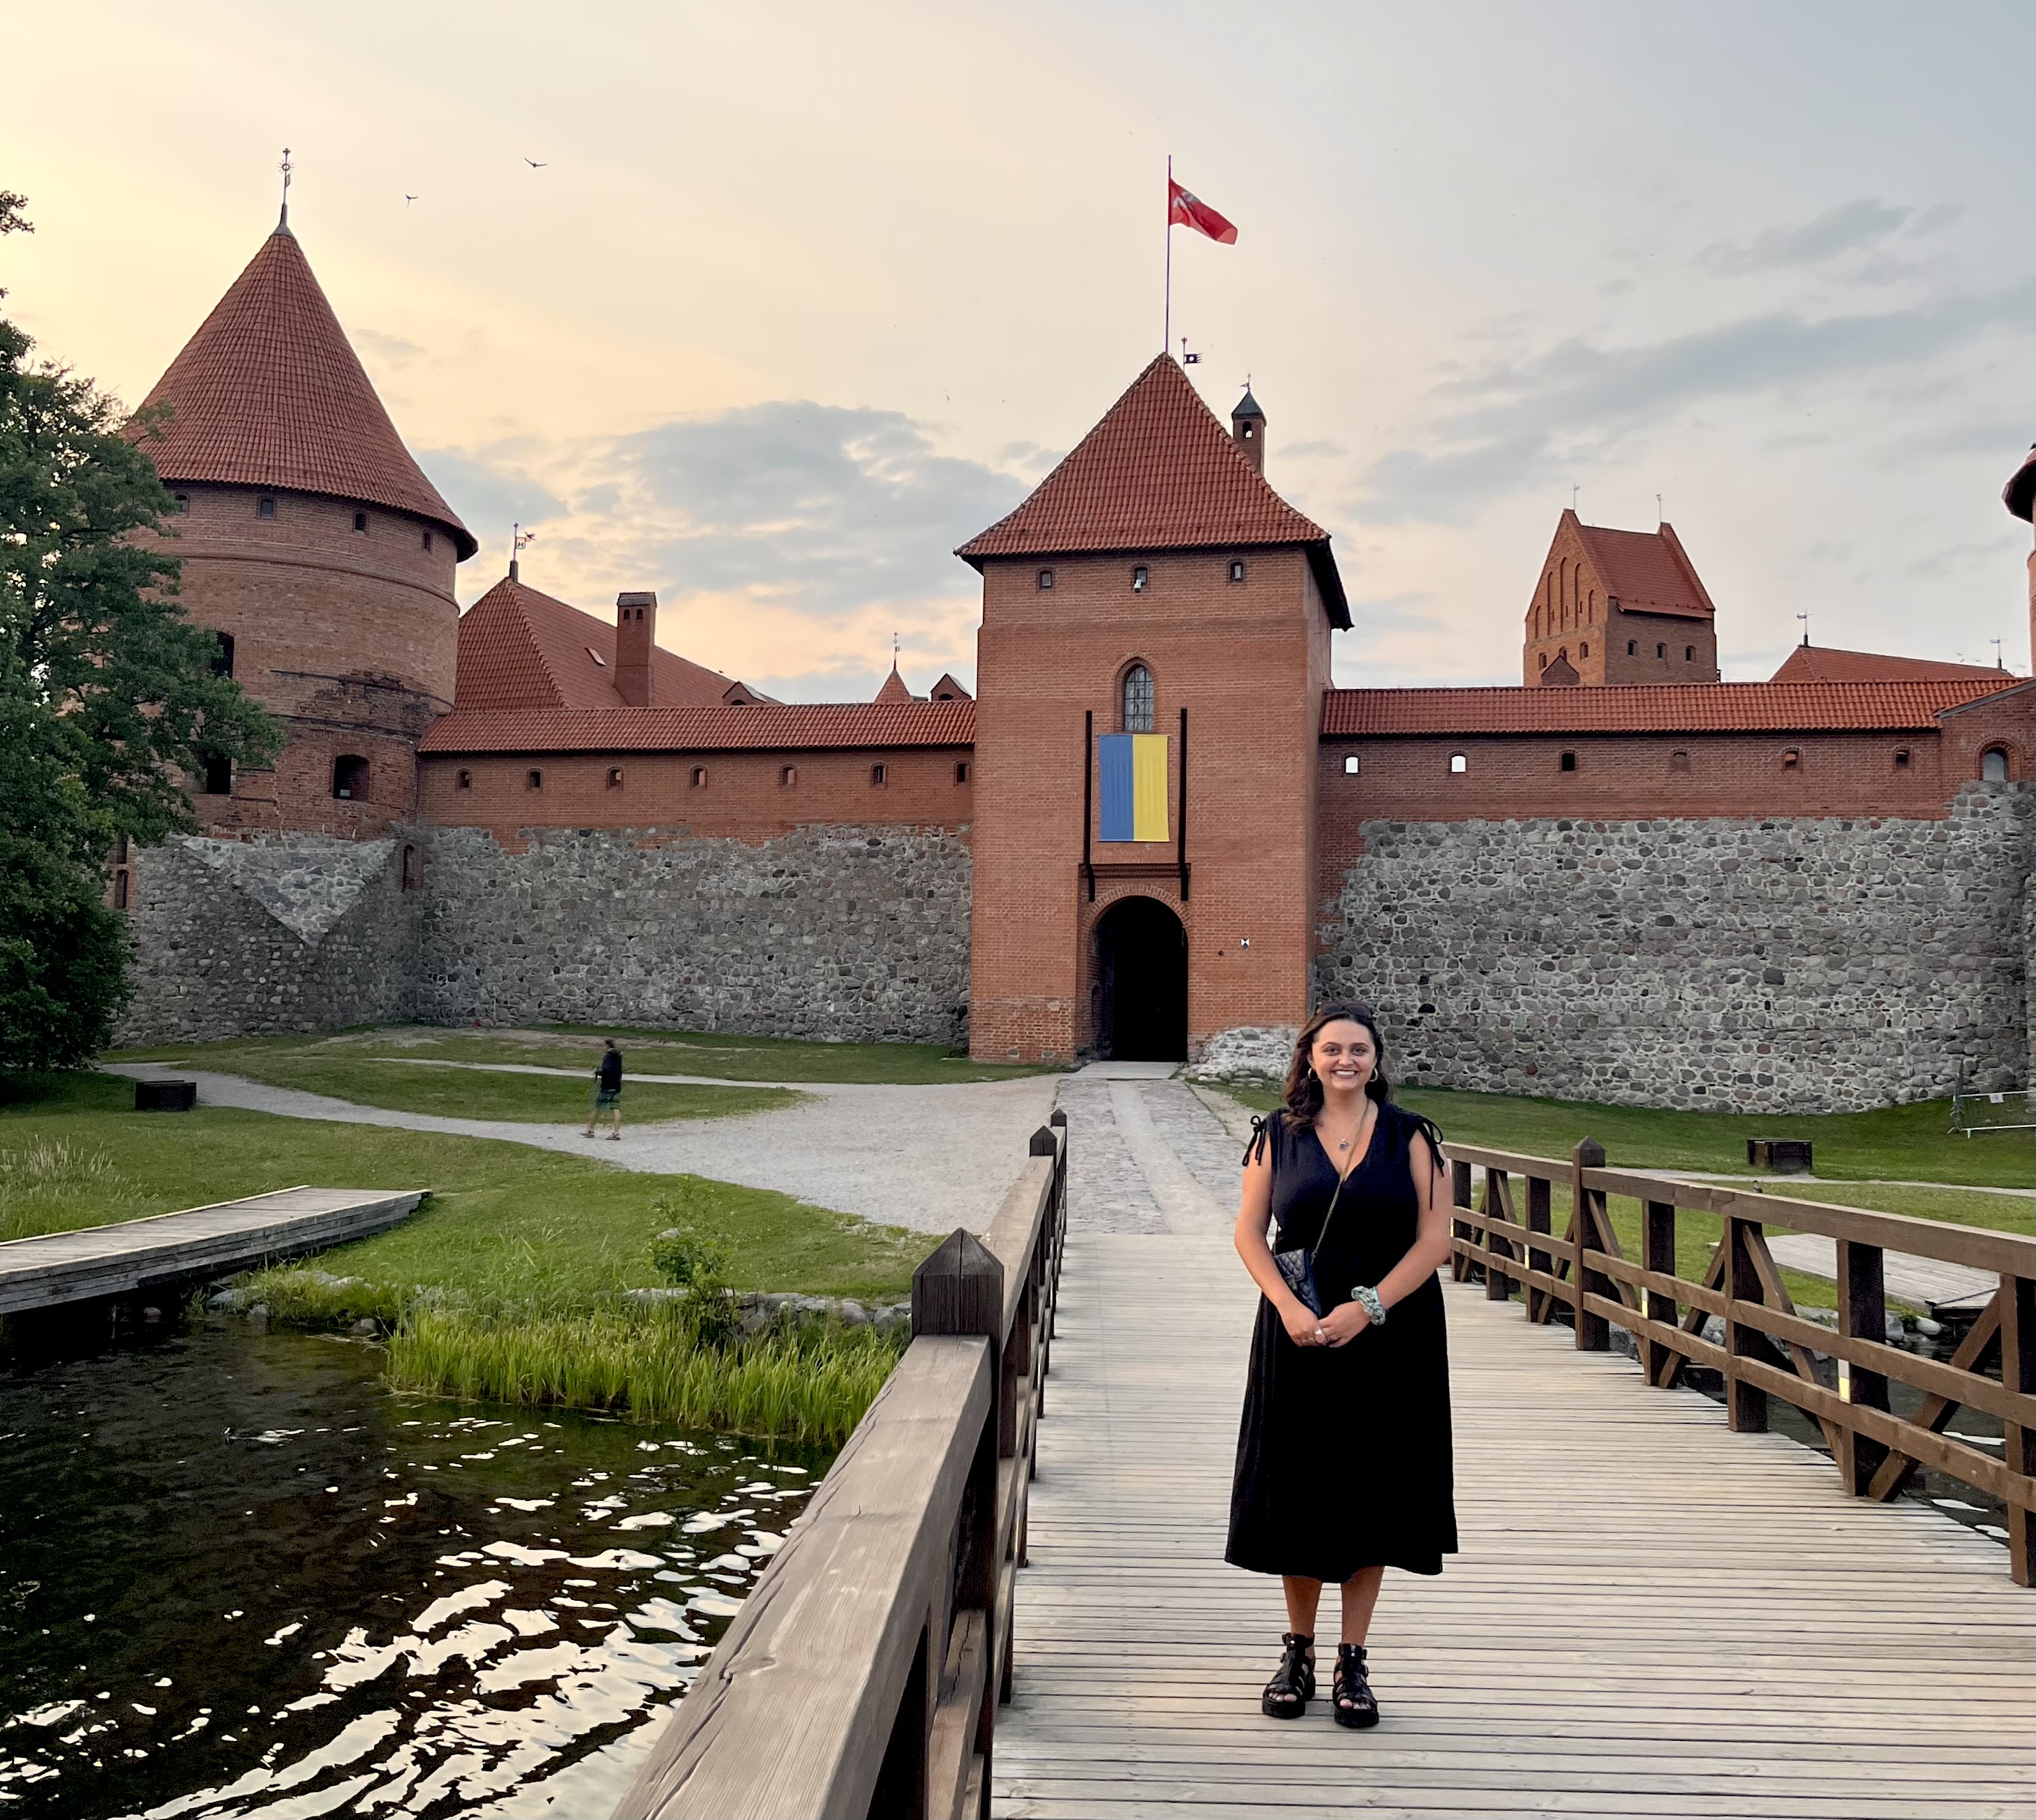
[519, 540]
[1805, 619]
[285, 167]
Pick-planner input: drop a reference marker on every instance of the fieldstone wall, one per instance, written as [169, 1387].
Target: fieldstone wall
[1793, 965]
[266, 936]
[854, 933]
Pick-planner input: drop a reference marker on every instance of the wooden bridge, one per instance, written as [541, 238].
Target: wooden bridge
[1660, 1609]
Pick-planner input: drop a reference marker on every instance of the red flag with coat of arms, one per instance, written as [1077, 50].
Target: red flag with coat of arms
[1187, 210]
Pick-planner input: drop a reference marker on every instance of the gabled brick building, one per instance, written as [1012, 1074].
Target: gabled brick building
[1157, 829]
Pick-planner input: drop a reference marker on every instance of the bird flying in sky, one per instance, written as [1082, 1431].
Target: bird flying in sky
[535, 165]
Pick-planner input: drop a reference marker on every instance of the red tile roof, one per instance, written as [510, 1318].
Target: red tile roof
[786, 726]
[1649, 570]
[520, 648]
[1819, 664]
[894, 689]
[1672, 708]
[270, 393]
[1158, 472]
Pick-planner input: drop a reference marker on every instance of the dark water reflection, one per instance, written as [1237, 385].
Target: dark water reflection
[237, 1577]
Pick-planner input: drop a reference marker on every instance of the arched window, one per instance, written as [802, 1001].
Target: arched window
[1237, 568]
[615, 777]
[1583, 650]
[1350, 764]
[1994, 765]
[788, 775]
[1544, 660]
[1901, 758]
[360, 521]
[1137, 703]
[533, 780]
[1791, 760]
[1661, 651]
[465, 781]
[1632, 647]
[349, 776]
[1459, 763]
[1689, 654]
[880, 774]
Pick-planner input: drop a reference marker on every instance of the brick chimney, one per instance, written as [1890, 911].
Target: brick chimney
[635, 638]
[1247, 429]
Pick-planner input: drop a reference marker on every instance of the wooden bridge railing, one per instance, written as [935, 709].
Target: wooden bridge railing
[1838, 1379]
[862, 1675]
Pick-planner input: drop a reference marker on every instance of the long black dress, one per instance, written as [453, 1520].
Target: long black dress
[1343, 1458]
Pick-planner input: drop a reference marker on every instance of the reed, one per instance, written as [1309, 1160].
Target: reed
[811, 1385]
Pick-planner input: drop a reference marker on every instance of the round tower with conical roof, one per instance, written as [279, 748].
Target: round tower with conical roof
[315, 546]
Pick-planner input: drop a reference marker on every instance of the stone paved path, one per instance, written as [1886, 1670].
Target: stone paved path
[932, 1158]
[1146, 1154]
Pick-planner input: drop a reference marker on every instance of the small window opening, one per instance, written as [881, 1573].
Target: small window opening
[1901, 758]
[1237, 568]
[1994, 765]
[265, 507]
[1543, 660]
[428, 540]
[1679, 761]
[1568, 761]
[1584, 650]
[615, 777]
[413, 871]
[123, 851]
[1459, 763]
[1141, 575]
[465, 781]
[1046, 580]
[1138, 700]
[1661, 651]
[1350, 764]
[788, 775]
[533, 780]
[699, 777]
[961, 771]
[349, 776]
[222, 658]
[218, 775]
[360, 521]
[1791, 760]
[121, 889]
[180, 505]
[1632, 647]
[880, 774]
[1689, 654]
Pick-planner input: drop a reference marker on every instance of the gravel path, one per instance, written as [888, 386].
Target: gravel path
[932, 1158]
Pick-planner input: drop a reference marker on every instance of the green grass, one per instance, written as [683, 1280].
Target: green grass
[1964, 1206]
[505, 1222]
[810, 1386]
[647, 1053]
[355, 1072]
[1899, 1143]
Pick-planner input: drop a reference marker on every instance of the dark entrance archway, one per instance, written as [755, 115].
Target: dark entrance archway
[1140, 1009]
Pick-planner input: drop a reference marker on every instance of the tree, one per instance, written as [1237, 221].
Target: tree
[108, 696]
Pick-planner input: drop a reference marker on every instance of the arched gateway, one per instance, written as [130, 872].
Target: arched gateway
[1141, 989]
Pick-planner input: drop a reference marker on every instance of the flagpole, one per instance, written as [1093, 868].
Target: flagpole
[1167, 318]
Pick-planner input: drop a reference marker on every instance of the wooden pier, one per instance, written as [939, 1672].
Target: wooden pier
[198, 1242]
[1660, 1609]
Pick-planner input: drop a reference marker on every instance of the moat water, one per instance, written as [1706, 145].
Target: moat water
[237, 1576]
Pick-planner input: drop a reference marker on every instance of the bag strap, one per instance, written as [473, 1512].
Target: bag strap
[1337, 1199]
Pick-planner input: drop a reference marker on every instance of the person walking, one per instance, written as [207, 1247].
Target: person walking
[1343, 1458]
[608, 1092]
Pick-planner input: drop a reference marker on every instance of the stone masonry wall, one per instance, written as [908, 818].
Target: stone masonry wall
[268, 936]
[854, 933]
[1803, 965]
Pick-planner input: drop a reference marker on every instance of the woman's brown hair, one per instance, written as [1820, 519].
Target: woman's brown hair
[1303, 1091]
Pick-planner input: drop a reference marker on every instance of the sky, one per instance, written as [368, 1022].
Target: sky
[795, 298]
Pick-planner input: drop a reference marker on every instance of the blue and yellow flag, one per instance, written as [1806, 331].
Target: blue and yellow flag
[1132, 767]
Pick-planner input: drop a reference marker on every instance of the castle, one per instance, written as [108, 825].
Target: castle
[1157, 831]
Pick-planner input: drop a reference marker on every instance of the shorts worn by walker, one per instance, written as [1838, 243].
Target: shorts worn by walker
[608, 1099]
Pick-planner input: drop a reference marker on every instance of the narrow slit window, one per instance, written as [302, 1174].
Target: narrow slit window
[1661, 651]
[1633, 648]
[880, 774]
[961, 771]
[360, 521]
[428, 540]
[1237, 568]
[788, 775]
[1689, 654]
[1583, 650]
[615, 777]
[413, 874]
[464, 781]
[533, 780]
[699, 777]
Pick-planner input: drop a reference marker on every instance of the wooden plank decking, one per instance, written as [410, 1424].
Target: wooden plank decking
[1651, 1615]
[58, 1267]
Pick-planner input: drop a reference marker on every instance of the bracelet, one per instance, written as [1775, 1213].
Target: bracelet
[1368, 1300]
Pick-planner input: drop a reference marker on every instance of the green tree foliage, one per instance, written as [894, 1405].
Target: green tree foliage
[108, 697]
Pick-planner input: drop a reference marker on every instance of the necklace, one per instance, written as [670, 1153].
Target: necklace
[1345, 1143]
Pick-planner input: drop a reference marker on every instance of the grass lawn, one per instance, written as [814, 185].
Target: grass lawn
[647, 1054]
[1895, 1143]
[505, 1222]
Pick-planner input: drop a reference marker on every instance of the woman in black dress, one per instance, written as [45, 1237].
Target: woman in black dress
[1343, 1458]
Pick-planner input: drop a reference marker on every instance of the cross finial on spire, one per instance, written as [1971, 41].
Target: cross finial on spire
[283, 223]
[894, 652]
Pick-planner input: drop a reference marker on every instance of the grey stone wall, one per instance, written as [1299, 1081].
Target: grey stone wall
[853, 932]
[268, 936]
[1784, 965]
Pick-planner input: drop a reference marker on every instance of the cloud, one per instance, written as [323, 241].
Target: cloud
[488, 496]
[1504, 426]
[1842, 229]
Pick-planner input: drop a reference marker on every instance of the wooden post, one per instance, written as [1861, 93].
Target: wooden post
[1498, 1202]
[1593, 1331]
[2018, 1373]
[1657, 1253]
[1540, 1194]
[900, 1793]
[1862, 1314]
[959, 1290]
[1746, 1407]
[1459, 1266]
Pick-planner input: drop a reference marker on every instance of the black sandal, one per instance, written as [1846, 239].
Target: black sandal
[1293, 1685]
[1355, 1705]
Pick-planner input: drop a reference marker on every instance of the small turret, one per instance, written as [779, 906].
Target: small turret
[1247, 429]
